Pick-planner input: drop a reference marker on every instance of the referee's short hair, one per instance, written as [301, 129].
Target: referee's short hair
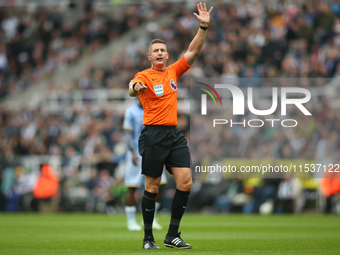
[156, 41]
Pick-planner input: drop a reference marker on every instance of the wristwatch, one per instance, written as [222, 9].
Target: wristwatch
[133, 87]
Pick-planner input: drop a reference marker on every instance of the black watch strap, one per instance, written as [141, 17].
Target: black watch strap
[203, 28]
[133, 87]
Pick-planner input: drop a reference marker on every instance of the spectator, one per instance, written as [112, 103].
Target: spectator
[290, 195]
[233, 197]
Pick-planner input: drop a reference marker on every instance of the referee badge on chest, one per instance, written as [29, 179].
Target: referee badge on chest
[173, 84]
[158, 89]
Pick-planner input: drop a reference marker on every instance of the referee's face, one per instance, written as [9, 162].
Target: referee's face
[158, 55]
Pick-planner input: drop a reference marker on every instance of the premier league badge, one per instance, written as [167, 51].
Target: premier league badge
[173, 84]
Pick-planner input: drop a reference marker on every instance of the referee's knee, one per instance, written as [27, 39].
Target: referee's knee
[152, 188]
[185, 186]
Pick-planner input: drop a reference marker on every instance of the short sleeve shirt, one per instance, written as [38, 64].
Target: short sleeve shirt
[160, 99]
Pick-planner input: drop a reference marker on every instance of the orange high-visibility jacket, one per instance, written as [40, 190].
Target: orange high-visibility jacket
[47, 184]
[330, 183]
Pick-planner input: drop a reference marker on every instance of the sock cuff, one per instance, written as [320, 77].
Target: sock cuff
[149, 195]
[183, 193]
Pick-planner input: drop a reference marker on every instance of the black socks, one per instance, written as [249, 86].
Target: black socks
[148, 209]
[178, 206]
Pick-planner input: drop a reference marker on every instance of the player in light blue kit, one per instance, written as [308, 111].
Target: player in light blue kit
[133, 125]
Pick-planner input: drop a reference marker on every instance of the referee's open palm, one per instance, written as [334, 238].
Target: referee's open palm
[203, 14]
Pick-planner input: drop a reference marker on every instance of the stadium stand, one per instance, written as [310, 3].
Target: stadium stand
[77, 122]
[35, 44]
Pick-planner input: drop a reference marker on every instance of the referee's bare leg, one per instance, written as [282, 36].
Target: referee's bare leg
[184, 183]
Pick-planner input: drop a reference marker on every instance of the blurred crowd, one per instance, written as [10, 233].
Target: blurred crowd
[37, 43]
[314, 138]
[248, 39]
[77, 138]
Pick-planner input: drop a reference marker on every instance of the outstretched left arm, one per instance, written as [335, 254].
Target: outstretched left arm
[197, 43]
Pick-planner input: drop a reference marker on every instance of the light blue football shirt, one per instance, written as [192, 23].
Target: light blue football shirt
[133, 120]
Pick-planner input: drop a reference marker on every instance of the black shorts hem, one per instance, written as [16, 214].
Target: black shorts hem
[168, 168]
[163, 145]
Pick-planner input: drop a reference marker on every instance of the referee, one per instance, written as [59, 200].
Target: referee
[161, 142]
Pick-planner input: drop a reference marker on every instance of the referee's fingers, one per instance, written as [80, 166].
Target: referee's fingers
[143, 87]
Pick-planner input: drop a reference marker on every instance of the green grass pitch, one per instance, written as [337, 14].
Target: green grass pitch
[207, 233]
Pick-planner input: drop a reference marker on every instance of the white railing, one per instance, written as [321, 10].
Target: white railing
[96, 99]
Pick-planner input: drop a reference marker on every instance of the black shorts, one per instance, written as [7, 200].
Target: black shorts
[162, 145]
